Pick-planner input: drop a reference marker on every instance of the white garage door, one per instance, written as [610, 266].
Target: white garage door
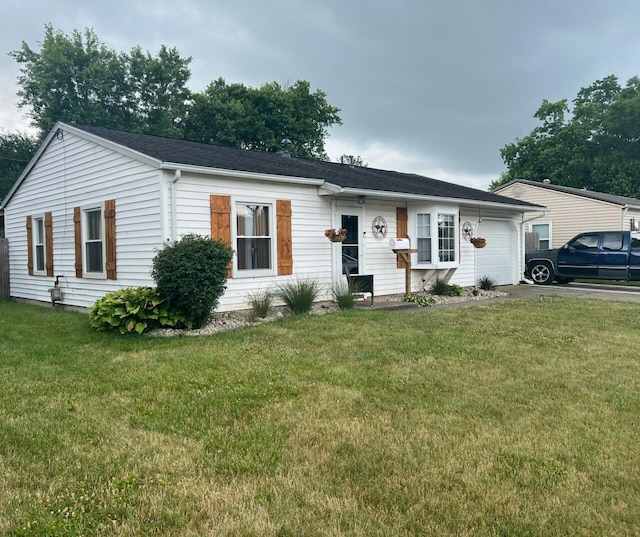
[498, 258]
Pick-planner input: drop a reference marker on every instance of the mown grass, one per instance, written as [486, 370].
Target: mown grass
[512, 418]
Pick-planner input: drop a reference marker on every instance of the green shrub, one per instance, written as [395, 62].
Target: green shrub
[299, 295]
[486, 283]
[133, 310]
[344, 293]
[191, 274]
[260, 303]
[456, 290]
[439, 286]
[420, 299]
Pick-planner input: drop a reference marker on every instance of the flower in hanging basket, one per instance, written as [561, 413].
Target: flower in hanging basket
[479, 242]
[336, 235]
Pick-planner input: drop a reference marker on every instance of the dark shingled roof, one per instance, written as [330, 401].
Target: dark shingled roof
[601, 196]
[184, 152]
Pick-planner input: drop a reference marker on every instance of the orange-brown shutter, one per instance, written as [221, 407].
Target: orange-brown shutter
[77, 229]
[48, 234]
[110, 238]
[221, 220]
[29, 247]
[283, 230]
[401, 230]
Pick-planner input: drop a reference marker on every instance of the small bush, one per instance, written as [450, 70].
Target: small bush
[456, 290]
[299, 295]
[260, 303]
[439, 286]
[192, 274]
[486, 283]
[133, 310]
[344, 293]
[420, 299]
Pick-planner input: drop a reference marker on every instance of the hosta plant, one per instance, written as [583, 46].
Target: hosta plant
[133, 310]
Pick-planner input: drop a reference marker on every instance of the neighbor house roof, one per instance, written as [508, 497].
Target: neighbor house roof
[600, 196]
[342, 177]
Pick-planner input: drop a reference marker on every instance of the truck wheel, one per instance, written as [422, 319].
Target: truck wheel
[541, 273]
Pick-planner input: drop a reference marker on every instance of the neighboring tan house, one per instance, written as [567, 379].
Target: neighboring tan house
[571, 211]
[94, 205]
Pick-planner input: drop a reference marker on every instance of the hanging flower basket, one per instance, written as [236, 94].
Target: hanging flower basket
[479, 242]
[336, 235]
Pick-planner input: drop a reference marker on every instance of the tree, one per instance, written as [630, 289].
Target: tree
[597, 147]
[16, 150]
[77, 79]
[260, 118]
[352, 160]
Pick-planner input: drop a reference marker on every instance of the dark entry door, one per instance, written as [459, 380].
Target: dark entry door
[350, 248]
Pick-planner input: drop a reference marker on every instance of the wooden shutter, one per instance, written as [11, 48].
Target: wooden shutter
[48, 237]
[110, 238]
[283, 230]
[221, 220]
[77, 229]
[401, 230]
[29, 246]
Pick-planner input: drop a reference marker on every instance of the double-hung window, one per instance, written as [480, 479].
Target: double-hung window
[254, 237]
[93, 238]
[544, 235]
[39, 245]
[436, 234]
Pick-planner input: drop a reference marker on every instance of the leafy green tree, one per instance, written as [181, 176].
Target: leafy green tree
[76, 78]
[260, 118]
[16, 150]
[594, 145]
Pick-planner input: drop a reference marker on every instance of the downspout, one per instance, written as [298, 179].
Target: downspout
[173, 201]
[522, 238]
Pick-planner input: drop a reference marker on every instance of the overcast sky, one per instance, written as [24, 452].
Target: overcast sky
[434, 88]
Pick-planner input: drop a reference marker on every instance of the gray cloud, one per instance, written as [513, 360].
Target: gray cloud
[436, 87]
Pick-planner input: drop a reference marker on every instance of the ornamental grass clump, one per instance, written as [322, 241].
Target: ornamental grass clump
[192, 275]
[345, 294]
[260, 303]
[299, 295]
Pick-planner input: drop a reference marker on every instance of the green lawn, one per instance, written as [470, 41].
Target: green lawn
[514, 418]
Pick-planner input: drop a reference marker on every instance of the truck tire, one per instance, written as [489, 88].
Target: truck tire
[541, 272]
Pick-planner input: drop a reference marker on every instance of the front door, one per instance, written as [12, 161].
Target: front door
[351, 245]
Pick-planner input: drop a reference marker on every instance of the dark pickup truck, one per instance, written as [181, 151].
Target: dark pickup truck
[603, 255]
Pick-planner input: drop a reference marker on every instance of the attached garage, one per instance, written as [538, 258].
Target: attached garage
[496, 259]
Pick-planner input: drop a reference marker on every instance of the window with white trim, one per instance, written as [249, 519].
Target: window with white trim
[39, 250]
[437, 237]
[93, 242]
[544, 235]
[254, 237]
[424, 237]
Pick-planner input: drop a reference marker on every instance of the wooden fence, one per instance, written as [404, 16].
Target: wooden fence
[4, 269]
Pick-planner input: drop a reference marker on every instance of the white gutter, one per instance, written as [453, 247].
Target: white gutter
[236, 174]
[423, 197]
[173, 200]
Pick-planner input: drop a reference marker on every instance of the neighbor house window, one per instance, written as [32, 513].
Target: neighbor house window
[446, 237]
[93, 235]
[424, 238]
[254, 237]
[39, 245]
[544, 235]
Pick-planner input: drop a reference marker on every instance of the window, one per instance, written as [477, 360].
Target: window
[253, 237]
[446, 237]
[544, 235]
[585, 242]
[39, 245]
[93, 242]
[436, 234]
[424, 238]
[612, 241]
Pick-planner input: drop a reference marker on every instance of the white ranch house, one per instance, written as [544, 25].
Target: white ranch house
[94, 205]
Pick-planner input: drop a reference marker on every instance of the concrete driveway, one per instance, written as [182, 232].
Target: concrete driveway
[577, 290]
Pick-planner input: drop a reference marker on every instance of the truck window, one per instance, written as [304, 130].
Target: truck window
[612, 241]
[585, 242]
